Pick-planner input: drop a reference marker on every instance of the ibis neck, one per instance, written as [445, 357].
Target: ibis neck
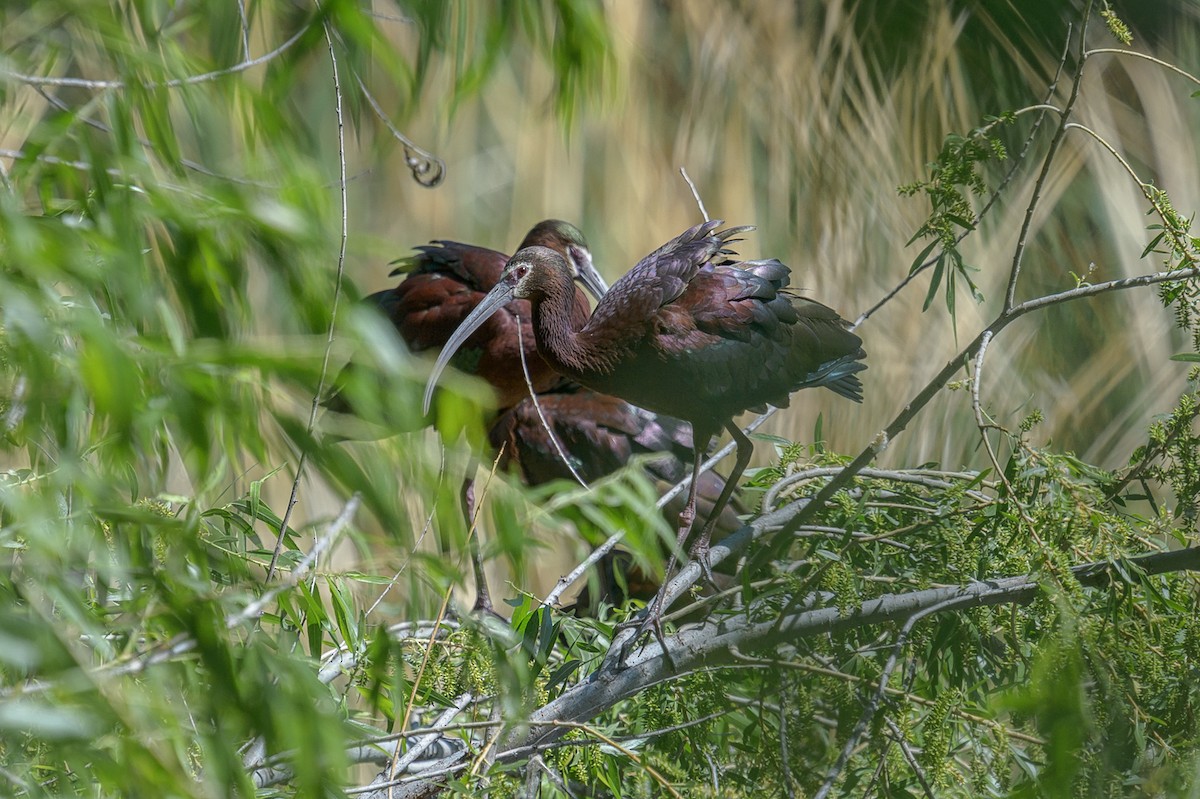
[558, 317]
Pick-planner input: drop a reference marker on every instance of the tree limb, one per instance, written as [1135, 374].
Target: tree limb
[712, 642]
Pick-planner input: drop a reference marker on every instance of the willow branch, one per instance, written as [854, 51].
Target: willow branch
[1145, 56]
[935, 385]
[98, 85]
[713, 642]
[184, 643]
[1010, 295]
[427, 169]
[1018, 161]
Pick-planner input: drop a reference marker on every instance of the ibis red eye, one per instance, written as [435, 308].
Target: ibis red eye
[521, 271]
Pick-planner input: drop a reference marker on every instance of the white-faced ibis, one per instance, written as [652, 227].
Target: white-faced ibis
[443, 284]
[689, 333]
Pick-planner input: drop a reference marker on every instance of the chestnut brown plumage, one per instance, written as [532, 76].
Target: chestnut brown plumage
[688, 332]
[600, 434]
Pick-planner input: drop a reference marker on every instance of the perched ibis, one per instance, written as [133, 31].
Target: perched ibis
[689, 332]
[443, 283]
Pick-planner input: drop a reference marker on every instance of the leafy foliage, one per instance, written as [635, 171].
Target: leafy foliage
[955, 170]
[169, 274]
[168, 244]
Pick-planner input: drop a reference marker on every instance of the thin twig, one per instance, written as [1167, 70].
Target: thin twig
[407, 559]
[425, 741]
[426, 656]
[1010, 294]
[1145, 56]
[695, 194]
[916, 477]
[537, 406]
[977, 407]
[259, 606]
[906, 750]
[245, 25]
[610, 543]
[592, 559]
[333, 311]
[881, 688]
[1018, 161]
[83, 83]
[556, 778]
[629, 753]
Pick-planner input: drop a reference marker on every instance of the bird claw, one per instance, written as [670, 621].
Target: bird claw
[687, 517]
[705, 567]
[699, 553]
[483, 608]
[653, 620]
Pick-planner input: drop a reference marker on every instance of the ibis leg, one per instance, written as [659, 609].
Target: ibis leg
[653, 614]
[745, 448]
[688, 515]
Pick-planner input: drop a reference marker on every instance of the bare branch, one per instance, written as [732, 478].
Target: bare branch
[416, 684]
[245, 25]
[322, 544]
[922, 477]
[425, 741]
[1010, 295]
[1145, 56]
[599, 552]
[935, 385]
[98, 85]
[906, 750]
[591, 560]
[1018, 161]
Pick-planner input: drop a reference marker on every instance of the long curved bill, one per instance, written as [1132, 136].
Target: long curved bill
[588, 275]
[498, 297]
